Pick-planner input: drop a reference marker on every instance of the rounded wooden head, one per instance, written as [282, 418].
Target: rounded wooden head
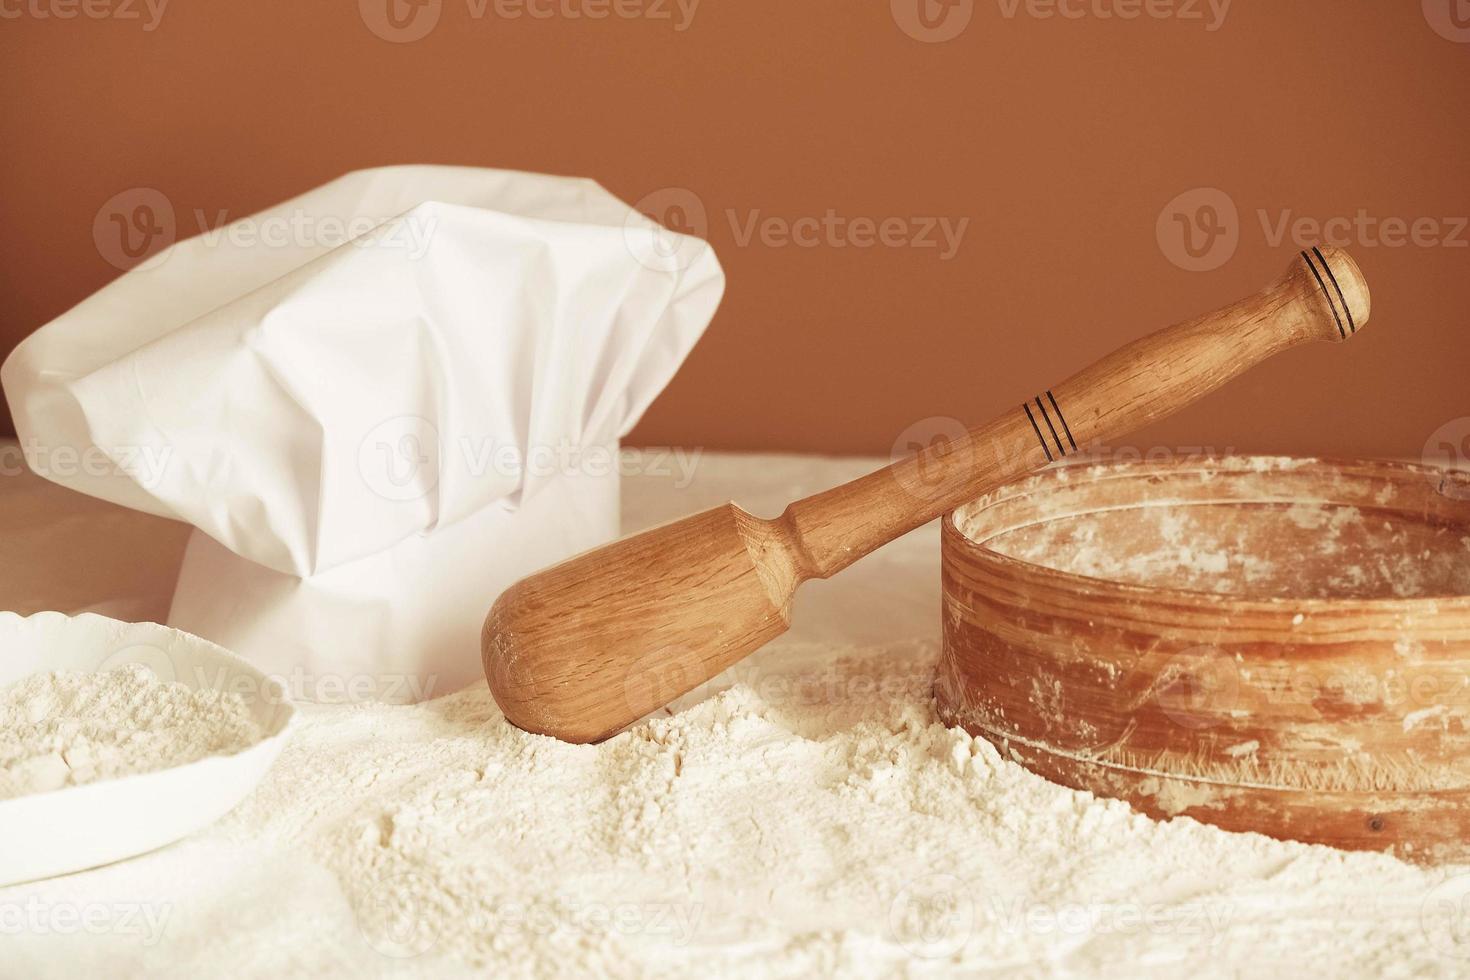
[585, 648]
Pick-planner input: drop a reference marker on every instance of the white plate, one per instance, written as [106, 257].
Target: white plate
[78, 827]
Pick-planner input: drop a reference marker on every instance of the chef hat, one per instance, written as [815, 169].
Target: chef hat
[378, 404]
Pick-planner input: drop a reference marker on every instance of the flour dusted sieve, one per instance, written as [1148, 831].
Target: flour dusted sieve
[1265, 644]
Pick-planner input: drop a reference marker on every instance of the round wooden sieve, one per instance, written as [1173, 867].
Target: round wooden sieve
[1265, 644]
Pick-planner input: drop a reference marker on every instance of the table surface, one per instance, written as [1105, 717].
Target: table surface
[254, 895]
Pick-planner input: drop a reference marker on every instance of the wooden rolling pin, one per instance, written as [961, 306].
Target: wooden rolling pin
[584, 648]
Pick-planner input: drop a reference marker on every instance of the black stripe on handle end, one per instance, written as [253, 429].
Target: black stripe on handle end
[1332, 303]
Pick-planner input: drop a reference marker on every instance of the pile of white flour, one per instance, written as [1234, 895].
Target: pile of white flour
[800, 822]
[67, 728]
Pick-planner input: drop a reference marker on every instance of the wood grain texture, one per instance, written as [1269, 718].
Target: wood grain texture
[583, 649]
[1303, 671]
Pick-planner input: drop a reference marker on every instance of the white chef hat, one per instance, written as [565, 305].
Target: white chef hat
[372, 435]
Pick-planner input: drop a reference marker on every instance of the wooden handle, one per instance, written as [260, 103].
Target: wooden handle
[584, 648]
[1322, 296]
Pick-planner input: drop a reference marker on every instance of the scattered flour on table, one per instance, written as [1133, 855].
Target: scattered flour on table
[814, 822]
[67, 728]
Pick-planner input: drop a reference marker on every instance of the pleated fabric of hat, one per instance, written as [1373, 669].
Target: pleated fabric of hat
[378, 404]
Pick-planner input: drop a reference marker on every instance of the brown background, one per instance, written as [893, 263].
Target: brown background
[1062, 140]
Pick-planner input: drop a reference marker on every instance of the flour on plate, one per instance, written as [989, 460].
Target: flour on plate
[68, 728]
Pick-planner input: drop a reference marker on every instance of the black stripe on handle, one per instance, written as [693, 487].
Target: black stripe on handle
[1037, 429]
[1054, 437]
[1352, 327]
[1065, 427]
[1330, 302]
